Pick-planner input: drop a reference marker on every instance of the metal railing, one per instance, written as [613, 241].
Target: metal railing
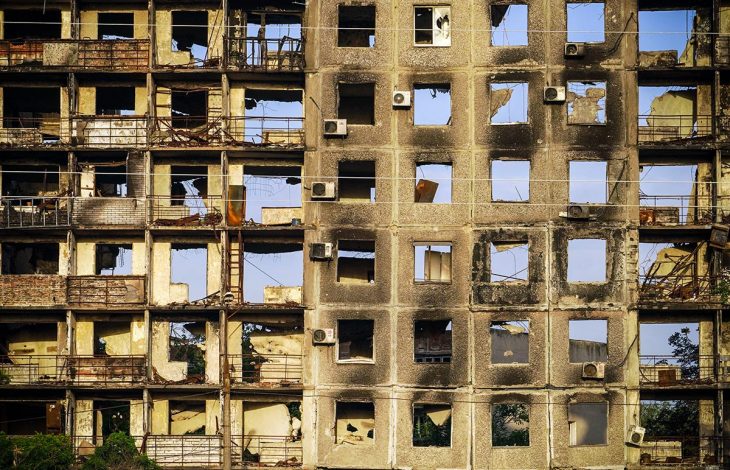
[187, 210]
[255, 451]
[187, 131]
[109, 131]
[285, 54]
[116, 54]
[678, 288]
[34, 130]
[193, 451]
[675, 210]
[669, 370]
[64, 369]
[265, 368]
[34, 211]
[266, 131]
[682, 450]
[105, 291]
[673, 128]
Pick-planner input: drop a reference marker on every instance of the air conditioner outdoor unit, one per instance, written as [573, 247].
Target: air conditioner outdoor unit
[593, 370]
[554, 94]
[320, 251]
[579, 212]
[323, 336]
[323, 190]
[335, 127]
[574, 50]
[635, 436]
[401, 99]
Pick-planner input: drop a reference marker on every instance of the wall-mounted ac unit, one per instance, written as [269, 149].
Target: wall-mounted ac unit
[323, 190]
[593, 370]
[635, 436]
[335, 127]
[578, 212]
[574, 50]
[401, 99]
[554, 94]
[320, 251]
[323, 336]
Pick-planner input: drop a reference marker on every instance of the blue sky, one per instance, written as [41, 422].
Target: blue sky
[665, 30]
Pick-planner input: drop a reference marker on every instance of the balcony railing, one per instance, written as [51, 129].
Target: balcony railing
[678, 288]
[62, 369]
[106, 291]
[266, 451]
[682, 451]
[655, 129]
[668, 370]
[265, 369]
[34, 130]
[34, 211]
[253, 54]
[266, 131]
[109, 131]
[675, 210]
[117, 54]
[187, 131]
[186, 211]
[190, 451]
[32, 290]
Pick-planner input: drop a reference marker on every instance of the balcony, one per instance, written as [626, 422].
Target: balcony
[77, 370]
[34, 212]
[684, 451]
[171, 211]
[36, 130]
[87, 54]
[666, 129]
[189, 451]
[678, 288]
[265, 369]
[106, 291]
[253, 54]
[280, 132]
[669, 371]
[673, 210]
[109, 132]
[32, 290]
[266, 451]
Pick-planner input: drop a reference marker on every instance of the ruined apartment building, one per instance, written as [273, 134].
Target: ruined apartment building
[481, 234]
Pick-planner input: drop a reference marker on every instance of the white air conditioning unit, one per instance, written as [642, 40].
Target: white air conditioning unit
[323, 336]
[574, 50]
[593, 370]
[320, 251]
[635, 436]
[323, 190]
[578, 212]
[554, 94]
[401, 99]
[335, 127]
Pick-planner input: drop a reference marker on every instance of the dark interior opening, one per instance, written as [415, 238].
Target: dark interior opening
[30, 258]
[116, 26]
[189, 108]
[32, 24]
[114, 101]
[188, 28]
[356, 27]
[357, 103]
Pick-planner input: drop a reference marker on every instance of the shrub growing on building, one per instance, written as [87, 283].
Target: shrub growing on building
[119, 452]
[44, 451]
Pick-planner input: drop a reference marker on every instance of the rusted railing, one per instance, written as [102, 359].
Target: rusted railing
[34, 211]
[106, 291]
[265, 368]
[668, 370]
[266, 451]
[676, 210]
[187, 131]
[62, 369]
[34, 130]
[682, 450]
[187, 210]
[673, 128]
[266, 131]
[116, 54]
[109, 131]
[190, 451]
[285, 54]
[678, 288]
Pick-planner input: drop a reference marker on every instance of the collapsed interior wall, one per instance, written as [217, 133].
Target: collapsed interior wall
[180, 417]
[166, 53]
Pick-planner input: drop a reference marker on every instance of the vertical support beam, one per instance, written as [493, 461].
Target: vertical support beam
[75, 20]
[152, 34]
[226, 390]
[148, 345]
[70, 413]
[146, 415]
[717, 167]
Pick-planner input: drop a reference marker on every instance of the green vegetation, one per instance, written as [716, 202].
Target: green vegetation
[119, 452]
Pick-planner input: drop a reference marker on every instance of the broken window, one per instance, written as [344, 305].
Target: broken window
[588, 182]
[187, 418]
[673, 271]
[189, 188]
[115, 26]
[509, 25]
[187, 344]
[586, 22]
[433, 183]
[37, 108]
[663, 46]
[588, 340]
[115, 101]
[30, 258]
[432, 104]
[270, 37]
[508, 103]
[355, 340]
[189, 108]
[588, 424]
[509, 261]
[110, 180]
[356, 26]
[355, 423]
[30, 180]
[587, 260]
[432, 341]
[273, 273]
[273, 116]
[356, 261]
[32, 24]
[271, 352]
[114, 259]
[188, 270]
[432, 262]
[675, 194]
[510, 425]
[586, 102]
[190, 33]
[356, 181]
[671, 113]
[510, 180]
[271, 195]
[510, 341]
[432, 26]
[431, 425]
[356, 103]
